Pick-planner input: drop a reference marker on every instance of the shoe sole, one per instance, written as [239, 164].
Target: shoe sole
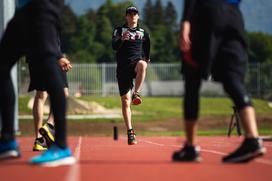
[133, 143]
[197, 160]
[39, 148]
[136, 101]
[247, 157]
[47, 135]
[9, 155]
[61, 162]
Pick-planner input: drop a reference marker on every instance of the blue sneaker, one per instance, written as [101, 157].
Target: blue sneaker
[9, 150]
[54, 156]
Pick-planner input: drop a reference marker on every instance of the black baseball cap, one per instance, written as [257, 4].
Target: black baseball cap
[132, 9]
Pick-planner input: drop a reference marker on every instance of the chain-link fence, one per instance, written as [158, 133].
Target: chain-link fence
[161, 80]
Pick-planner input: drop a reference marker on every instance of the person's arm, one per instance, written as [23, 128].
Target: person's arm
[184, 36]
[117, 39]
[146, 47]
[185, 26]
[185, 30]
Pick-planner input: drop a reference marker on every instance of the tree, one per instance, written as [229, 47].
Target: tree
[148, 14]
[69, 25]
[158, 13]
[104, 32]
[171, 16]
[260, 47]
[114, 12]
[83, 42]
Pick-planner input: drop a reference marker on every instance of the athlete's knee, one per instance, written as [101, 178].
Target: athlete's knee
[237, 92]
[125, 100]
[141, 66]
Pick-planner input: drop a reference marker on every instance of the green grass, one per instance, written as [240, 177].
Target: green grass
[23, 109]
[218, 132]
[157, 110]
[170, 107]
[154, 108]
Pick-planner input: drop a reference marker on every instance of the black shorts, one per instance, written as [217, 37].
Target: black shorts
[218, 43]
[125, 76]
[37, 83]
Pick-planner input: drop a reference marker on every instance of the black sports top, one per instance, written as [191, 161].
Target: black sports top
[134, 49]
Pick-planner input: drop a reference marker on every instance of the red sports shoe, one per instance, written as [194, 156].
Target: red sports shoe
[136, 99]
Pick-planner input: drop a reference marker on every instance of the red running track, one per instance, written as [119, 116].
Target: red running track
[102, 158]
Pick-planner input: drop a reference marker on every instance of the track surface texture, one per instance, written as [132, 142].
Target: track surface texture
[102, 158]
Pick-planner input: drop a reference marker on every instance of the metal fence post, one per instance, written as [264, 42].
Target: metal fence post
[103, 79]
[259, 79]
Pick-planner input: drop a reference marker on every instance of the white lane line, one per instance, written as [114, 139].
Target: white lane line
[176, 146]
[74, 171]
[153, 143]
[258, 160]
[267, 162]
[215, 152]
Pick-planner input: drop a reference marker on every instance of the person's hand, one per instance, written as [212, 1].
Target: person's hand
[187, 57]
[185, 44]
[125, 36]
[184, 37]
[65, 64]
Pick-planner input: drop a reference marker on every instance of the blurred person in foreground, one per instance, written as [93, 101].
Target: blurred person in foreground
[212, 40]
[132, 45]
[44, 133]
[33, 32]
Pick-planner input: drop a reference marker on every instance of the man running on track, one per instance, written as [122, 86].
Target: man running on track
[132, 45]
[212, 40]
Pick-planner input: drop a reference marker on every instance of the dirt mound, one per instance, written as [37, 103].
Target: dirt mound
[76, 106]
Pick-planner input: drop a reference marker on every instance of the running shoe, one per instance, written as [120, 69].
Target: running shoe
[131, 137]
[136, 98]
[9, 149]
[40, 144]
[54, 156]
[48, 132]
[250, 148]
[187, 154]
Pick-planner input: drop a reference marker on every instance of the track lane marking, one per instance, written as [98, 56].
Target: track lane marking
[74, 171]
[258, 160]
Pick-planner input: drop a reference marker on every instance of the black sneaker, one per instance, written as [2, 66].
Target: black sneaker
[48, 132]
[249, 149]
[131, 137]
[40, 144]
[187, 154]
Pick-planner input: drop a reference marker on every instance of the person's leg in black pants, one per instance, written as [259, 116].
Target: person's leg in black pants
[190, 151]
[11, 48]
[45, 23]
